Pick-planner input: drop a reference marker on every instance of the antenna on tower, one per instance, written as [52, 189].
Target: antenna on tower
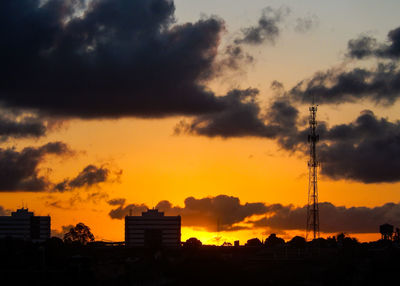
[312, 206]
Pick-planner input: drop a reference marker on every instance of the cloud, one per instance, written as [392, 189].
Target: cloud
[227, 212]
[116, 202]
[22, 127]
[333, 218]
[19, 170]
[233, 58]
[123, 210]
[113, 58]
[366, 46]
[75, 199]
[240, 117]
[91, 175]
[210, 213]
[266, 30]
[243, 117]
[305, 24]
[365, 150]
[381, 85]
[363, 46]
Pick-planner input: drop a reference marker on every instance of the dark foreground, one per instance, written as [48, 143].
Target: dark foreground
[56, 263]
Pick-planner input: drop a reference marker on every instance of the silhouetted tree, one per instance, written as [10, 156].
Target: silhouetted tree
[192, 243]
[319, 242]
[386, 231]
[331, 241]
[80, 233]
[346, 241]
[254, 242]
[273, 241]
[298, 242]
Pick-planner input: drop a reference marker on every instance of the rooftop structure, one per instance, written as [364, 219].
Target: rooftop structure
[23, 224]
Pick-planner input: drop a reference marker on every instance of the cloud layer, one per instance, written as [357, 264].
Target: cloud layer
[266, 30]
[227, 213]
[19, 170]
[90, 175]
[337, 86]
[220, 212]
[113, 58]
[23, 127]
[366, 46]
[333, 218]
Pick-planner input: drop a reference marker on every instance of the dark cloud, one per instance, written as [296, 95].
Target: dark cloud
[22, 127]
[333, 218]
[114, 58]
[19, 170]
[336, 86]
[241, 117]
[89, 176]
[305, 24]
[234, 57]
[367, 46]
[363, 46]
[221, 212]
[266, 30]
[123, 210]
[365, 150]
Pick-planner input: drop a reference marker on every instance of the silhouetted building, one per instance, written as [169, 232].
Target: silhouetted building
[24, 225]
[386, 231]
[153, 229]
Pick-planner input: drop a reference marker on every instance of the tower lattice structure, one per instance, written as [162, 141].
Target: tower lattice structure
[312, 206]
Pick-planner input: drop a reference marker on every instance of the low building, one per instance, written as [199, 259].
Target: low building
[23, 224]
[152, 229]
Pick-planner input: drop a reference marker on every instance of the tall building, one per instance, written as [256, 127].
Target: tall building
[24, 225]
[153, 229]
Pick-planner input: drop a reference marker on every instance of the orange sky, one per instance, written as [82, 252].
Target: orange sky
[158, 165]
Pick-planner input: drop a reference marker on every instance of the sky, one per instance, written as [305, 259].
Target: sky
[199, 108]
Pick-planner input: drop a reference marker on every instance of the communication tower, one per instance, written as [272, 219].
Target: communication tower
[312, 206]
